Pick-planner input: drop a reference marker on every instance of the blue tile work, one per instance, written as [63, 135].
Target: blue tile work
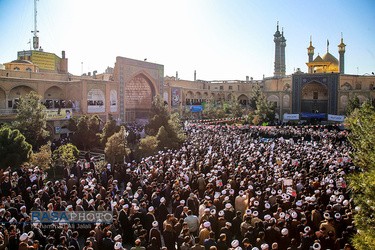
[328, 80]
[129, 68]
[122, 91]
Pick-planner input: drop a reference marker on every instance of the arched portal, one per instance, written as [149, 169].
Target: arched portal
[314, 98]
[274, 99]
[139, 92]
[16, 93]
[54, 97]
[243, 99]
[189, 98]
[3, 104]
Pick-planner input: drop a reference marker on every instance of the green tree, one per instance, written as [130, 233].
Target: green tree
[72, 124]
[250, 118]
[65, 155]
[171, 126]
[234, 106]
[82, 133]
[155, 123]
[159, 107]
[88, 131]
[14, 150]
[94, 130]
[163, 139]
[353, 104]
[148, 146]
[110, 128]
[220, 113]
[43, 158]
[265, 110]
[185, 113]
[31, 119]
[256, 93]
[116, 146]
[210, 110]
[159, 114]
[362, 184]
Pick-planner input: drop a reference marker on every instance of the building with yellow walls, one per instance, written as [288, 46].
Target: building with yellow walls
[126, 91]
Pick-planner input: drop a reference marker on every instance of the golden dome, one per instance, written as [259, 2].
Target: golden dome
[328, 57]
[334, 63]
[318, 59]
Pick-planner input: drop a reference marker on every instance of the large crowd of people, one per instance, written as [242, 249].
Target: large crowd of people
[227, 187]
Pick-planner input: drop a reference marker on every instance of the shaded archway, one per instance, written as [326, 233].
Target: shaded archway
[314, 98]
[54, 97]
[3, 104]
[139, 92]
[95, 101]
[243, 99]
[198, 98]
[189, 98]
[274, 99]
[16, 92]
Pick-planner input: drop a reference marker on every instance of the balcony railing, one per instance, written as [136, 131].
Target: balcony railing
[8, 111]
[4, 112]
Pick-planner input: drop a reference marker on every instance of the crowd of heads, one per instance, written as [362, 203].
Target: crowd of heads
[227, 187]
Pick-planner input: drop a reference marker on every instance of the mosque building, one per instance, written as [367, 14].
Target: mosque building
[322, 93]
[125, 92]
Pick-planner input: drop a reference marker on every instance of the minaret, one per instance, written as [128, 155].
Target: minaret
[277, 39]
[282, 57]
[342, 52]
[310, 53]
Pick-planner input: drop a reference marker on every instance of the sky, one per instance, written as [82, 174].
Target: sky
[220, 39]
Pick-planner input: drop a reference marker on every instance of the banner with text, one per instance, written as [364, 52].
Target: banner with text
[291, 116]
[54, 114]
[336, 118]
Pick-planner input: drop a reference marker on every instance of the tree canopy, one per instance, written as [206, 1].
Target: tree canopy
[263, 110]
[362, 184]
[110, 128]
[66, 154]
[115, 148]
[87, 133]
[163, 131]
[14, 150]
[43, 158]
[159, 116]
[31, 119]
[353, 104]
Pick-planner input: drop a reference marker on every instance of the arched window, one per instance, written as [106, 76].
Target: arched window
[29, 69]
[113, 100]
[16, 69]
[95, 101]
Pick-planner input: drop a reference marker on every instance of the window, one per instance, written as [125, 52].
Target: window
[215, 88]
[315, 95]
[221, 87]
[238, 87]
[29, 69]
[230, 87]
[209, 87]
[16, 68]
